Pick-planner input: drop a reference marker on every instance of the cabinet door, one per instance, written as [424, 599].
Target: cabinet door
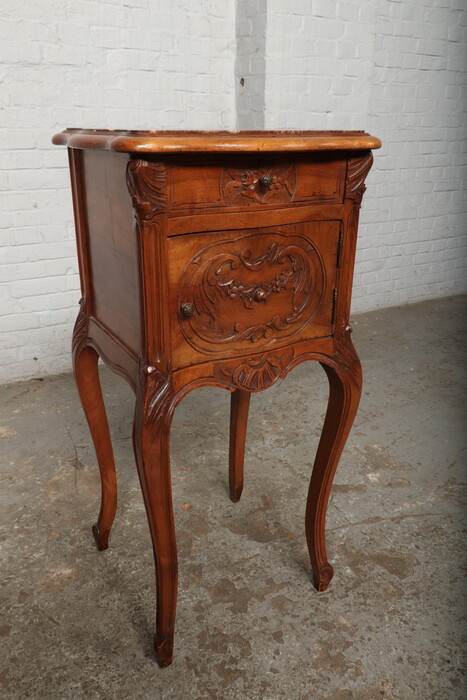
[243, 291]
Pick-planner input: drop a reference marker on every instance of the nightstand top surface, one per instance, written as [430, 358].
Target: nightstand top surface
[216, 141]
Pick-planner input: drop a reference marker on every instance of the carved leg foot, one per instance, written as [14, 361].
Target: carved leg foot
[345, 382]
[101, 537]
[239, 405]
[86, 373]
[322, 577]
[163, 647]
[151, 443]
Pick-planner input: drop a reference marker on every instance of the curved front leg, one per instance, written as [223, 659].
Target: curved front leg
[345, 384]
[239, 405]
[151, 432]
[86, 373]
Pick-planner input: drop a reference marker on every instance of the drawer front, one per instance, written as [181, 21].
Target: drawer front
[244, 291]
[261, 182]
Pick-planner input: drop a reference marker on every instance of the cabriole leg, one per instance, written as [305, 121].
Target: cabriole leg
[239, 405]
[86, 373]
[151, 442]
[345, 383]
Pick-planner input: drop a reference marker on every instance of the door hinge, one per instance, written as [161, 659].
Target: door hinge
[340, 244]
[334, 306]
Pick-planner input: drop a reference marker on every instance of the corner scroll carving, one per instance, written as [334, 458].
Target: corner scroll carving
[80, 330]
[256, 373]
[358, 169]
[146, 182]
[345, 354]
[158, 392]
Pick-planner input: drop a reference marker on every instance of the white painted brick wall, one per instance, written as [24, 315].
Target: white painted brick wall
[113, 64]
[397, 69]
[250, 63]
[319, 63]
[394, 68]
[413, 242]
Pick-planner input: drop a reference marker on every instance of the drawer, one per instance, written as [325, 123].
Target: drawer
[255, 182]
[233, 292]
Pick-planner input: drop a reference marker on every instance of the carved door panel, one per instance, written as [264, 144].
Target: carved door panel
[236, 292]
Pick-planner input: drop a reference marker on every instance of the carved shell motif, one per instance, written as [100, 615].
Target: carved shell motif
[256, 373]
[251, 290]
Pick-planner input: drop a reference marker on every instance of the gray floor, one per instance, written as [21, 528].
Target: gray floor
[78, 624]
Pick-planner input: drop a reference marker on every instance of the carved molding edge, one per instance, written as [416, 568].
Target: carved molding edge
[357, 171]
[82, 339]
[255, 373]
[146, 182]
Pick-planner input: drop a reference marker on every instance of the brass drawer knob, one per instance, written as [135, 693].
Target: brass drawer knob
[266, 181]
[187, 310]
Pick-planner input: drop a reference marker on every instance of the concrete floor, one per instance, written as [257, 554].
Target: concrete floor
[78, 624]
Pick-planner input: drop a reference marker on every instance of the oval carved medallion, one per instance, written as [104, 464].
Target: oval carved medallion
[251, 291]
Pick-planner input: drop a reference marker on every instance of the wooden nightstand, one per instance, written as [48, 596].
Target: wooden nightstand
[213, 258]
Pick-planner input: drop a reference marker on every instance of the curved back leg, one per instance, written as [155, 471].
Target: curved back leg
[345, 384]
[86, 372]
[239, 405]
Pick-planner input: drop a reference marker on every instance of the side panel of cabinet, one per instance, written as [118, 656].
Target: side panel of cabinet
[112, 246]
[237, 292]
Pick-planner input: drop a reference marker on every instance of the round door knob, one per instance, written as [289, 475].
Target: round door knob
[266, 181]
[187, 310]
